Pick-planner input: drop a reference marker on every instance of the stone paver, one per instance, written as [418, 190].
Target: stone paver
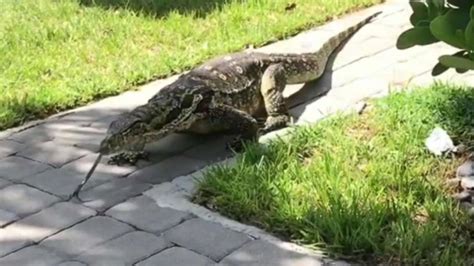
[4, 183]
[206, 238]
[75, 134]
[10, 241]
[211, 151]
[83, 236]
[31, 256]
[41, 225]
[52, 153]
[7, 217]
[49, 221]
[177, 256]
[84, 164]
[143, 213]
[72, 263]
[22, 200]
[36, 134]
[125, 250]
[167, 169]
[8, 148]
[62, 182]
[106, 195]
[16, 168]
[261, 253]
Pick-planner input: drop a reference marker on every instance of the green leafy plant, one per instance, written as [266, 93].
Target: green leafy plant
[449, 21]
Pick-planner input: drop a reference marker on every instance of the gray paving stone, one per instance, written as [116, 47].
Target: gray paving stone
[318, 109]
[360, 89]
[75, 134]
[72, 263]
[84, 164]
[206, 238]
[364, 68]
[31, 256]
[8, 148]
[7, 217]
[261, 253]
[168, 169]
[106, 195]
[22, 200]
[187, 182]
[125, 250]
[143, 213]
[212, 150]
[4, 183]
[83, 236]
[397, 20]
[351, 52]
[32, 135]
[49, 221]
[387, 32]
[62, 182]
[11, 241]
[16, 168]
[177, 256]
[53, 153]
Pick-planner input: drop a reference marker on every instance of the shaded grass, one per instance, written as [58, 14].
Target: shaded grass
[360, 187]
[64, 53]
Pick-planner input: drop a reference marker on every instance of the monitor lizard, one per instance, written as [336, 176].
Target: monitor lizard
[225, 94]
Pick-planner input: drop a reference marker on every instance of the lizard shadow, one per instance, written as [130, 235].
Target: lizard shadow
[312, 91]
[159, 8]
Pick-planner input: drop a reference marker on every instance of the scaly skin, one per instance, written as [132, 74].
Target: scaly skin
[226, 94]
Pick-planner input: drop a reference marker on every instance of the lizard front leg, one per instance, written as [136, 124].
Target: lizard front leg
[131, 156]
[128, 157]
[272, 86]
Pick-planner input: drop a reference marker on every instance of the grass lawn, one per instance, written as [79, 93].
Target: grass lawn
[64, 53]
[361, 187]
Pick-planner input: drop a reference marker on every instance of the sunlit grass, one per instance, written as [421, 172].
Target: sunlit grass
[64, 53]
[360, 187]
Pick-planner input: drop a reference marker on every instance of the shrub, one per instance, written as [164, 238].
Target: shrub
[449, 21]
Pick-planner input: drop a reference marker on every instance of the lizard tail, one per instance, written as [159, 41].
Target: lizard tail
[334, 42]
[305, 67]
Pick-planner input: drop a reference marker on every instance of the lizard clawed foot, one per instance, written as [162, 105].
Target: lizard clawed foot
[237, 144]
[275, 122]
[128, 158]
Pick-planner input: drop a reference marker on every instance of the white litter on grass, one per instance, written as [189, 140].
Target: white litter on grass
[439, 142]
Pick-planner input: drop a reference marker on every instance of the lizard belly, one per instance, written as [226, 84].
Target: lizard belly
[205, 126]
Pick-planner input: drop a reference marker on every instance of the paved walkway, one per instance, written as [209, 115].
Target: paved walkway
[146, 218]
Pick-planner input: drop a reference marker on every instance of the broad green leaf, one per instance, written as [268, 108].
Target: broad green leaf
[461, 71]
[469, 35]
[420, 12]
[456, 62]
[460, 3]
[439, 68]
[446, 27]
[436, 8]
[415, 36]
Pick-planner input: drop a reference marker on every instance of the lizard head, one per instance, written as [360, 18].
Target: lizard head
[167, 112]
[123, 134]
[127, 132]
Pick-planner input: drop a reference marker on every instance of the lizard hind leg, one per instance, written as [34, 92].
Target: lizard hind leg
[229, 119]
[272, 86]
